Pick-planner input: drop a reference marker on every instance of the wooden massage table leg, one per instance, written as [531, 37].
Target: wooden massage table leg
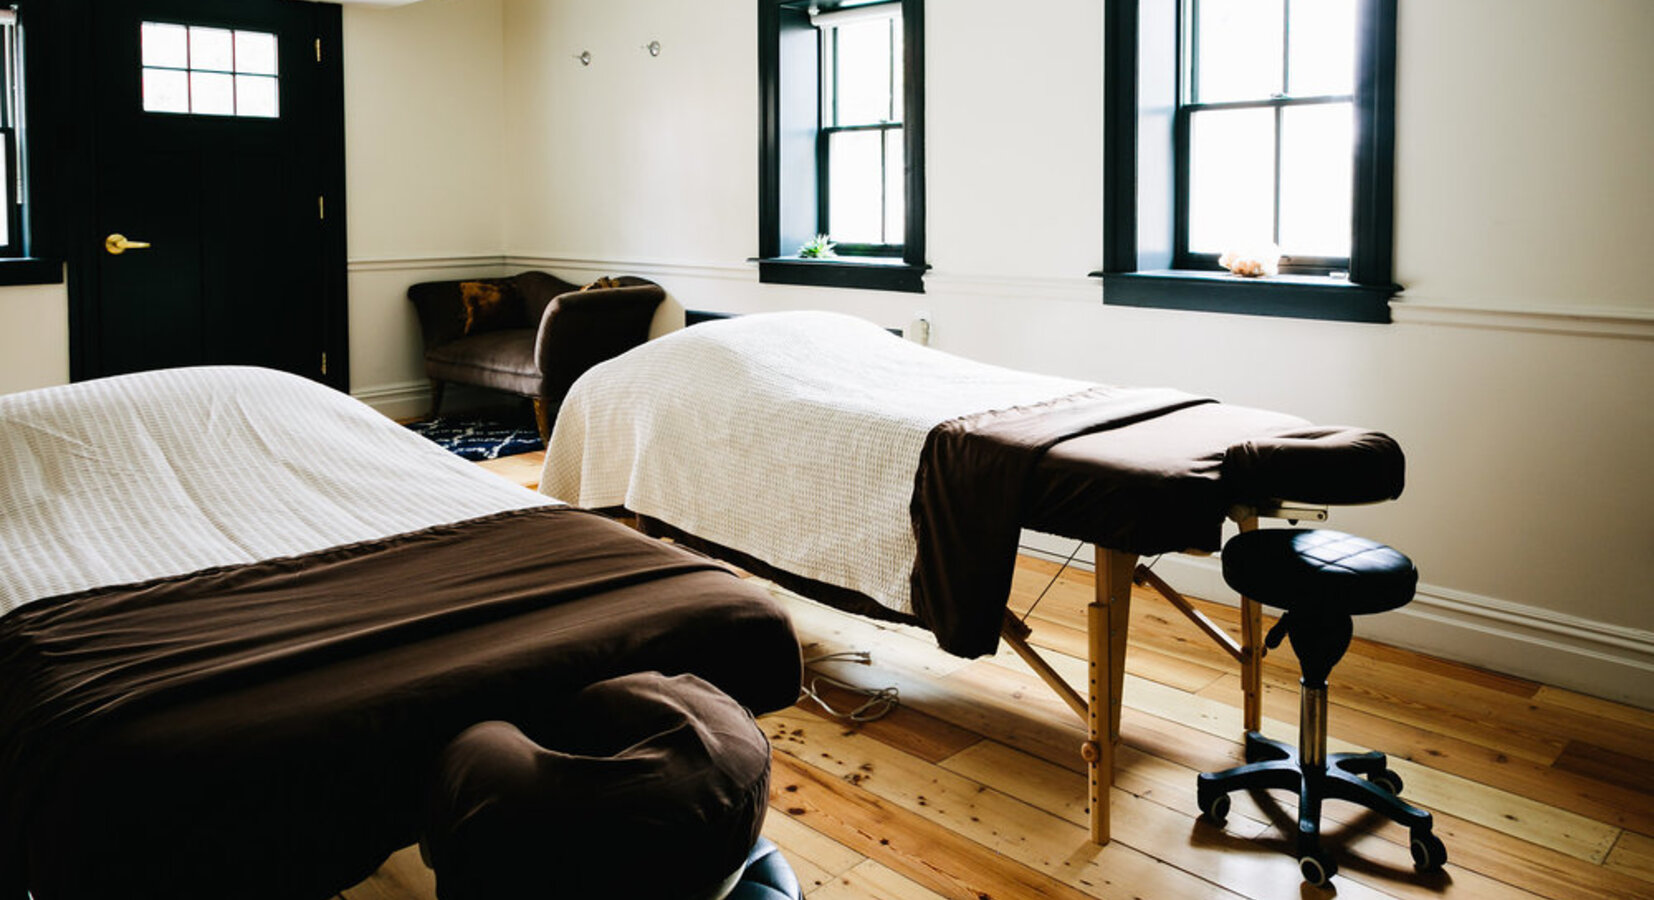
[1251, 655]
[1107, 619]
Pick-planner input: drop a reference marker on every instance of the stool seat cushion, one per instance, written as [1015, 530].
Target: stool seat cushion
[1318, 570]
[645, 786]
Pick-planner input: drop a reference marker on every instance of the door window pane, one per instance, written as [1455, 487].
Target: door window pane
[210, 48]
[166, 91]
[1321, 50]
[1317, 163]
[212, 94]
[255, 52]
[855, 187]
[255, 95]
[166, 45]
[188, 69]
[1231, 179]
[1237, 47]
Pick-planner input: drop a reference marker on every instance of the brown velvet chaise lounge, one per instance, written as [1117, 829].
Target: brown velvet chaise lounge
[531, 334]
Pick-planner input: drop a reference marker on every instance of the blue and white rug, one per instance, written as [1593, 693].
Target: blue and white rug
[475, 439]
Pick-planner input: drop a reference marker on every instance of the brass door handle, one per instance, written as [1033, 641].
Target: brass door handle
[117, 244]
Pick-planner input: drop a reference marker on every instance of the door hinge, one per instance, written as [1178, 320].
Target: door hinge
[318, 49]
[321, 206]
[324, 362]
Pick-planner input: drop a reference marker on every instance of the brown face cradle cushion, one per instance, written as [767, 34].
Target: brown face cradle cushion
[657, 788]
[490, 306]
[1331, 464]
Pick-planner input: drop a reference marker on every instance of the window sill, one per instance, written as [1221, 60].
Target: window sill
[19, 270]
[1288, 296]
[870, 273]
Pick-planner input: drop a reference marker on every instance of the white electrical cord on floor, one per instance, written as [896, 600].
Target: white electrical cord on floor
[880, 702]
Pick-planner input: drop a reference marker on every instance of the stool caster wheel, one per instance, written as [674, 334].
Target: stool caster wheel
[1317, 869]
[1215, 809]
[1388, 780]
[1429, 853]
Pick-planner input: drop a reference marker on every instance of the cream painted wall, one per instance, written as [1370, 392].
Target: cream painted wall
[1528, 496]
[424, 106]
[425, 172]
[34, 337]
[1522, 152]
[652, 154]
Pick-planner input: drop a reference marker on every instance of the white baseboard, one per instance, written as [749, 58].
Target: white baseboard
[397, 401]
[1598, 658]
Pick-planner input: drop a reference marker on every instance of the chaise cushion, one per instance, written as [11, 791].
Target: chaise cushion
[503, 360]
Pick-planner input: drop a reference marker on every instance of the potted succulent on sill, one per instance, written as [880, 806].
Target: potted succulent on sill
[818, 247]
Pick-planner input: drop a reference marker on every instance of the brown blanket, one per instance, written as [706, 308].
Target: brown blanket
[267, 730]
[970, 497]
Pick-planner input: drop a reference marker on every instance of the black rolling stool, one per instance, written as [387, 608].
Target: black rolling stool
[1321, 579]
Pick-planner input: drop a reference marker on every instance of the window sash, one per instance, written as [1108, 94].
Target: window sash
[828, 23]
[1188, 107]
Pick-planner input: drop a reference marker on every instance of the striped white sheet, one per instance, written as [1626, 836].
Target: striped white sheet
[163, 473]
[791, 437]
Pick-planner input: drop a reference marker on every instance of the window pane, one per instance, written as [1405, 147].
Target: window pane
[1231, 179]
[855, 187]
[1237, 49]
[166, 91]
[165, 45]
[5, 221]
[212, 94]
[1321, 50]
[210, 49]
[255, 52]
[895, 188]
[1317, 153]
[864, 72]
[896, 69]
[255, 95]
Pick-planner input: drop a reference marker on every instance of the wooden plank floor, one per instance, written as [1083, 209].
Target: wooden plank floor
[974, 788]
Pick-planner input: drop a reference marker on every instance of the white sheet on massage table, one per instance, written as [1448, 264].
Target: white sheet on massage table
[164, 473]
[791, 437]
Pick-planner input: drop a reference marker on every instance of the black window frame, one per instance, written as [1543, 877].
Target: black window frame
[1145, 256]
[792, 180]
[32, 254]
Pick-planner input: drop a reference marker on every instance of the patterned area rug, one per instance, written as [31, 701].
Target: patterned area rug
[478, 438]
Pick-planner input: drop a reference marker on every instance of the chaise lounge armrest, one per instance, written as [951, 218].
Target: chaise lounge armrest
[582, 328]
[540, 334]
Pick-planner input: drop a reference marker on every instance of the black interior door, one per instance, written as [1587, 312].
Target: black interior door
[217, 150]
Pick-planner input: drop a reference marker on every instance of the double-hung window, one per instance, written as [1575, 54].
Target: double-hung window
[23, 237]
[841, 181]
[11, 134]
[1263, 128]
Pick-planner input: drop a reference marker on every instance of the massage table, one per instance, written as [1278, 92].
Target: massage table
[893, 481]
[244, 613]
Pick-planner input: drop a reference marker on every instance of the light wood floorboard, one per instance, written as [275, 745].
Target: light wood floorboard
[974, 788]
